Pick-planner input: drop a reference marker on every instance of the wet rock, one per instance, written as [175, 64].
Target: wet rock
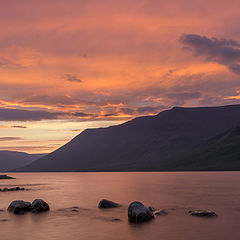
[152, 209]
[3, 220]
[107, 204]
[116, 219]
[6, 177]
[38, 205]
[76, 207]
[11, 189]
[19, 207]
[160, 212]
[138, 213]
[202, 213]
[75, 210]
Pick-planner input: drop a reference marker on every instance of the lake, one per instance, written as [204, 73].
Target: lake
[176, 192]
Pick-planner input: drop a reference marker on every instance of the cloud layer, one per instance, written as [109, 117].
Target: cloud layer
[94, 63]
[222, 51]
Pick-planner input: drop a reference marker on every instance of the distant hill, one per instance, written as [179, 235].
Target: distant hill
[148, 143]
[12, 159]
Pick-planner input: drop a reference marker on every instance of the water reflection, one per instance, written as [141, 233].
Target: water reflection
[74, 197]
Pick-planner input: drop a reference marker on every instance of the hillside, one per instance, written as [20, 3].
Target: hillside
[219, 153]
[144, 143]
[11, 159]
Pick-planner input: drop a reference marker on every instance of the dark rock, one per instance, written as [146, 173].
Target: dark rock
[11, 189]
[6, 177]
[202, 213]
[152, 209]
[138, 213]
[75, 210]
[116, 219]
[160, 212]
[4, 220]
[19, 207]
[38, 205]
[107, 204]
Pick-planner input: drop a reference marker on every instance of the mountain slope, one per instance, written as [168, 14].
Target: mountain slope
[144, 143]
[12, 159]
[219, 153]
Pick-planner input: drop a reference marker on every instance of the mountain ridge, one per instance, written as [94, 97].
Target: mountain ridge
[141, 142]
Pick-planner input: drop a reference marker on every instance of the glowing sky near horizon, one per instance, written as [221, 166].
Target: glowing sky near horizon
[66, 65]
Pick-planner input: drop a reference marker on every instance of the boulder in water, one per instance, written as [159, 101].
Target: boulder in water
[138, 213]
[19, 207]
[107, 204]
[38, 205]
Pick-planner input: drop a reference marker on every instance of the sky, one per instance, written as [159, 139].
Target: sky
[68, 65]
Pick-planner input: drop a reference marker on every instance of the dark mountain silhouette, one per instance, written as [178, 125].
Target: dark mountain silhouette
[219, 153]
[12, 159]
[142, 144]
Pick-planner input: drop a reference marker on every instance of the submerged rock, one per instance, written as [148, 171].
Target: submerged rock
[160, 212]
[19, 207]
[38, 205]
[202, 213]
[138, 213]
[107, 204]
[11, 189]
[116, 219]
[4, 220]
[152, 209]
[6, 177]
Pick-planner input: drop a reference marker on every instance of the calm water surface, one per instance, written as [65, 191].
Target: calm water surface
[174, 192]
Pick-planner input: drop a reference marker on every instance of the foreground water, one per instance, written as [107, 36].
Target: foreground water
[174, 192]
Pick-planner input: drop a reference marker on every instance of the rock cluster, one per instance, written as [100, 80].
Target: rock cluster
[11, 189]
[21, 207]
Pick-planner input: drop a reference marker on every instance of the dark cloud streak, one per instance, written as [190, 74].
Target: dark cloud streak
[222, 51]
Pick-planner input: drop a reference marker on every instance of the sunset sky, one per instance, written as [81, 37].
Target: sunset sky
[67, 65]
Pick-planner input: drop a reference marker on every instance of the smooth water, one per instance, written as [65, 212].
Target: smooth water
[174, 192]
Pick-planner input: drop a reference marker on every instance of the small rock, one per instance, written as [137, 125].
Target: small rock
[38, 205]
[19, 207]
[107, 204]
[3, 220]
[75, 210]
[152, 209]
[138, 213]
[202, 213]
[116, 219]
[160, 212]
